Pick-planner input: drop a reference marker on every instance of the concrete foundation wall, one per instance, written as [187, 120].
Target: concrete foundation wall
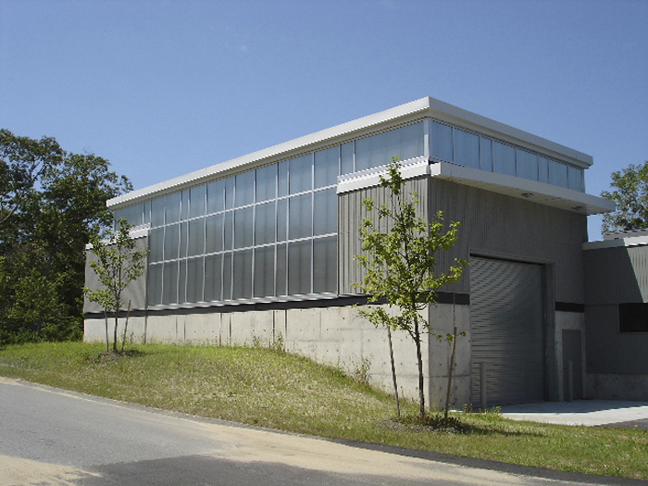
[611, 386]
[336, 336]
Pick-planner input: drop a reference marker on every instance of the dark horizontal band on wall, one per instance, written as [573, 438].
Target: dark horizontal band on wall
[342, 301]
[569, 307]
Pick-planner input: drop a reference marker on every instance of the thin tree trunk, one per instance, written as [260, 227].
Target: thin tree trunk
[450, 372]
[417, 339]
[117, 306]
[107, 338]
[126, 325]
[393, 367]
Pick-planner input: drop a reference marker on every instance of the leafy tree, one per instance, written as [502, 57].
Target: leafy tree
[400, 263]
[630, 194]
[22, 162]
[118, 263]
[51, 204]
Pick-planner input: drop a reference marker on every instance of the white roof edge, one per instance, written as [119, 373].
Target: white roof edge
[426, 106]
[617, 243]
[534, 191]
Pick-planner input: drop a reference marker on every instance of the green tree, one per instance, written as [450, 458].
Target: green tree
[22, 162]
[400, 262]
[51, 202]
[118, 263]
[630, 194]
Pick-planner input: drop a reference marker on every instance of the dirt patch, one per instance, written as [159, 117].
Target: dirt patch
[15, 471]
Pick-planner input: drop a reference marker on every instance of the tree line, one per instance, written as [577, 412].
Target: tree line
[51, 204]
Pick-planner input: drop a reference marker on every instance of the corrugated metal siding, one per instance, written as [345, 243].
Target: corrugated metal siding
[135, 292]
[351, 212]
[494, 224]
[490, 224]
[611, 351]
[506, 320]
[616, 275]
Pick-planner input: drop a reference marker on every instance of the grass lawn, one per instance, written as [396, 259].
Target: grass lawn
[277, 390]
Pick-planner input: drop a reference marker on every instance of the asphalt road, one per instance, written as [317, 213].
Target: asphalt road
[53, 437]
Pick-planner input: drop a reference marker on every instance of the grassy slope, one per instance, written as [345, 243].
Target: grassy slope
[281, 391]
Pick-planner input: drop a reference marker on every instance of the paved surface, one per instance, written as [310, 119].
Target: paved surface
[612, 413]
[54, 437]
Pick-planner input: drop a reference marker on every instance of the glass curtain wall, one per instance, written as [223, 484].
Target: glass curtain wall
[455, 145]
[271, 232]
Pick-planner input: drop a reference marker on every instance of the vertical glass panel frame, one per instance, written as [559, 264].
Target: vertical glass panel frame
[466, 148]
[282, 219]
[182, 281]
[154, 286]
[214, 233]
[265, 224]
[195, 267]
[325, 212]
[244, 188]
[244, 227]
[229, 192]
[170, 283]
[300, 216]
[197, 201]
[213, 278]
[503, 158]
[442, 145]
[227, 276]
[171, 242]
[156, 245]
[282, 178]
[215, 196]
[486, 154]
[282, 270]
[157, 211]
[527, 165]
[301, 174]
[242, 282]
[264, 271]
[196, 237]
[543, 169]
[347, 151]
[327, 164]
[325, 264]
[299, 267]
[557, 173]
[266, 183]
[575, 178]
[228, 230]
[173, 202]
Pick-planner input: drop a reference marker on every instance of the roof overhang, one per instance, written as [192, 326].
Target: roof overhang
[410, 112]
[517, 187]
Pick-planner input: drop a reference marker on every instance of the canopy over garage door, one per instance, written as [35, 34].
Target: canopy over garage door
[506, 312]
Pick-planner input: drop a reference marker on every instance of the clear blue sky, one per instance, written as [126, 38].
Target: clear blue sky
[162, 88]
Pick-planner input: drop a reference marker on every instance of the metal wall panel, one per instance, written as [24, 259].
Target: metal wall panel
[491, 224]
[135, 292]
[616, 275]
[498, 225]
[351, 213]
[506, 320]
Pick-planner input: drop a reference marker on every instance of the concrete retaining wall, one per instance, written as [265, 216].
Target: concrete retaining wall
[336, 336]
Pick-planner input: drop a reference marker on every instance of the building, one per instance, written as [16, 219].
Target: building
[262, 247]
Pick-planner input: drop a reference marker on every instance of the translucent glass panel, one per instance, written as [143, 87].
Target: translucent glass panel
[244, 187]
[442, 143]
[300, 217]
[471, 150]
[266, 183]
[503, 158]
[327, 166]
[300, 174]
[467, 149]
[325, 212]
[376, 150]
[264, 271]
[134, 214]
[253, 235]
[325, 264]
[299, 267]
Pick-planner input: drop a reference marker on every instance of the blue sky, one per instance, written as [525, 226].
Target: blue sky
[162, 88]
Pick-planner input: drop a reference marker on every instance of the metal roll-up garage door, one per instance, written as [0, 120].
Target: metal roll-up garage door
[506, 314]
